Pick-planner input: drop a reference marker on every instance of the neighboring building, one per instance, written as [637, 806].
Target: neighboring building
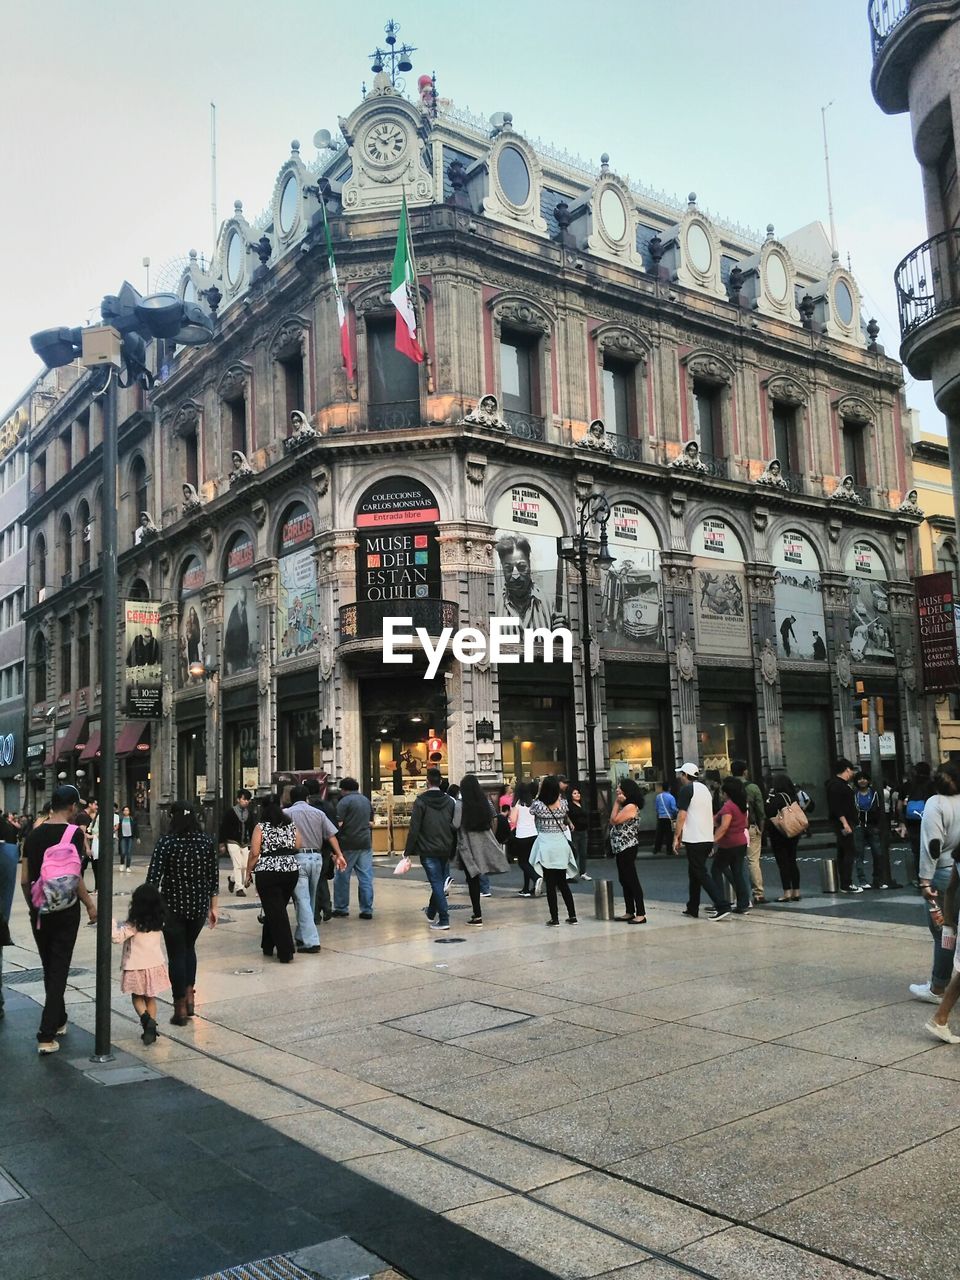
[584, 335]
[13, 561]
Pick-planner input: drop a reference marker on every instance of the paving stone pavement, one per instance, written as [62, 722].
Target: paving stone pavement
[754, 1098]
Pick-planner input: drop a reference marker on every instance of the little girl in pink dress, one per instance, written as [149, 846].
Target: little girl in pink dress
[143, 964]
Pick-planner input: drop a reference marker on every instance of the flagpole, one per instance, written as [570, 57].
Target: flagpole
[418, 303]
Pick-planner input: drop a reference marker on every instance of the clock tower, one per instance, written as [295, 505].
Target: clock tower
[388, 139]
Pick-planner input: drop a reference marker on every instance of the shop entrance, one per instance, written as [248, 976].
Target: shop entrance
[535, 733]
[404, 732]
[639, 737]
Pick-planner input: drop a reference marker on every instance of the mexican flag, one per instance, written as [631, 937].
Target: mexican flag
[403, 284]
[341, 312]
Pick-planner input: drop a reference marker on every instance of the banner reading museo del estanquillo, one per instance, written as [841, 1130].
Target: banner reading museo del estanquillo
[936, 622]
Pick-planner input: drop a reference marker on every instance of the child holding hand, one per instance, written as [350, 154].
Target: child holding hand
[143, 965]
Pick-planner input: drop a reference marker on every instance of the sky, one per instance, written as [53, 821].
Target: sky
[105, 146]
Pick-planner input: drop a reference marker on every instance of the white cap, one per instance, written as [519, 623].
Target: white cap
[691, 770]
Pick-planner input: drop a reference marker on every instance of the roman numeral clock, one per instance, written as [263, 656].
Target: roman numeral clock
[385, 142]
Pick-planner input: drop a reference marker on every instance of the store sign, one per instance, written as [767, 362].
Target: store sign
[713, 535]
[798, 599]
[399, 558]
[298, 603]
[871, 630]
[240, 556]
[888, 745]
[720, 591]
[241, 633]
[142, 671]
[936, 622]
[631, 606]
[8, 749]
[36, 753]
[396, 501]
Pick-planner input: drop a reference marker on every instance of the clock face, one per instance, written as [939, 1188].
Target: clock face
[385, 142]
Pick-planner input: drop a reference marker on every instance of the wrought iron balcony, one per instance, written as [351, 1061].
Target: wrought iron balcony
[395, 415]
[626, 447]
[528, 426]
[364, 620]
[928, 281]
[883, 16]
[792, 481]
[900, 32]
[714, 465]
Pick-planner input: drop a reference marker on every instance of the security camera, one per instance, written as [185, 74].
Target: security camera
[50, 713]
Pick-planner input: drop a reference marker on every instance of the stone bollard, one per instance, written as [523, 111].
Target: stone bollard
[603, 899]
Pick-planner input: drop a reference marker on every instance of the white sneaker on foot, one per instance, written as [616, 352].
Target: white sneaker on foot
[941, 1032]
[921, 991]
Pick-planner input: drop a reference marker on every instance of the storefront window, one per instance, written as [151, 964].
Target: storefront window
[637, 741]
[724, 736]
[192, 764]
[244, 754]
[533, 733]
[300, 741]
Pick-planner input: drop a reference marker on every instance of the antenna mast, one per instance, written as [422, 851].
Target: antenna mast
[213, 172]
[826, 162]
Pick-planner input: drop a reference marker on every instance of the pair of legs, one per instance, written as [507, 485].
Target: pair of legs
[360, 864]
[630, 883]
[846, 854]
[753, 864]
[942, 967]
[146, 1010]
[555, 880]
[55, 935]
[238, 870]
[864, 839]
[664, 837]
[305, 897]
[276, 888]
[522, 850]
[8, 883]
[180, 936]
[126, 852]
[732, 863]
[437, 870]
[85, 862]
[699, 877]
[785, 852]
[580, 846]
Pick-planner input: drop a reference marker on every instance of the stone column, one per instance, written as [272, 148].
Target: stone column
[265, 579]
[836, 615]
[901, 599]
[337, 692]
[211, 607]
[167, 729]
[677, 568]
[766, 673]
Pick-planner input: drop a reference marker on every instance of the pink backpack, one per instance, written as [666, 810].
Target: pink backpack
[55, 889]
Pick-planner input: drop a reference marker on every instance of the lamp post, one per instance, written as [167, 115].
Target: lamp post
[594, 511]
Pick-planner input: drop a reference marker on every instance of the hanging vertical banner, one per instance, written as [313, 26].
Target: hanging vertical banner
[938, 633]
[142, 662]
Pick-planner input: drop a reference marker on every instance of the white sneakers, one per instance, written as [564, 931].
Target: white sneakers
[921, 991]
[941, 1032]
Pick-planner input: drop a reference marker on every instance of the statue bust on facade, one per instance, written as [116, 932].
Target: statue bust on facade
[303, 432]
[846, 492]
[689, 460]
[146, 529]
[191, 499]
[596, 438]
[486, 414]
[909, 506]
[242, 469]
[772, 475]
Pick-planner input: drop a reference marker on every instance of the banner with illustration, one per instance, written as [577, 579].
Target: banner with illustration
[871, 630]
[241, 633]
[298, 607]
[190, 636]
[141, 646]
[632, 599]
[528, 572]
[798, 599]
[720, 591]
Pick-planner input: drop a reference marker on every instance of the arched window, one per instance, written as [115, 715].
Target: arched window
[85, 530]
[138, 490]
[948, 562]
[139, 590]
[66, 550]
[40, 562]
[40, 668]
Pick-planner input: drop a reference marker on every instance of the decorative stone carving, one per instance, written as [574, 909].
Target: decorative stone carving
[321, 481]
[233, 384]
[844, 672]
[909, 669]
[689, 459]
[263, 671]
[769, 668]
[618, 341]
[596, 438]
[186, 421]
[191, 499]
[834, 529]
[772, 475]
[786, 391]
[325, 651]
[259, 510]
[761, 519]
[303, 432]
[242, 469]
[476, 470]
[853, 409]
[678, 504]
[288, 339]
[686, 662]
[909, 507]
[846, 493]
[582, 488]
[207, 538]
[709, 369]
[522, 313]
[485, 414]
[166, 696]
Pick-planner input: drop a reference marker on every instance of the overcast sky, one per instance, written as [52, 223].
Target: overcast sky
[105, 149]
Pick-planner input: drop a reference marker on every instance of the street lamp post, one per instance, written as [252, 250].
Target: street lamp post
[594, 511]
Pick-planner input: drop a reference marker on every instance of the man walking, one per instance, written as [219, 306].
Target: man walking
[235, 840]
[355, 821]
[323, 908]
[314, 827]
[756, 812]
[695, 832]
[430, 838]
[842, 808]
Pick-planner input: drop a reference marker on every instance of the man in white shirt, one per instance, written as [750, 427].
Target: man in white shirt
[695, 832]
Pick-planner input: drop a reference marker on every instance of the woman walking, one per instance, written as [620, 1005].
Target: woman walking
[624, 841]
[273, 857]
[129, 831]
[184, 868]
[939, 845]
[478, 852]
[782, 793]
[732, 839]
[579, 828]
[524, 833]
[552, 851]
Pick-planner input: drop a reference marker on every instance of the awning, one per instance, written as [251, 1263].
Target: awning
[75, 733]
[131, 735]
[92, 749]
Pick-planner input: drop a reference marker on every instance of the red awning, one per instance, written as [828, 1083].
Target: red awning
[131, 735]
[75, 733]
[92, 749]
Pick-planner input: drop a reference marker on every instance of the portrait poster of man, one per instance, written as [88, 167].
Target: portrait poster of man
[298, 599]
[142, 671]
[528, 573]
[190, 636]
[871, 630]
[798, 599]
[720, 591]
[631, 600]
[240, 631]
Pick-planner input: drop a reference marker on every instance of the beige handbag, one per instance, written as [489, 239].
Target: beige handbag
[791, 821]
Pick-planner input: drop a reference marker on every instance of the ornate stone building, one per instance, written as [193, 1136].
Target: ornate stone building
[583, 335]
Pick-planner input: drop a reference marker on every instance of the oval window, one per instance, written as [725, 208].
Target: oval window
[699, 249]
[234, 259]
[613, 215]
[843, 301]
[514, 176]
[288, 204]
[776, 277]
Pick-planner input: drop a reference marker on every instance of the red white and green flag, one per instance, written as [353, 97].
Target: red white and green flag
[403, 286]
[341, 310]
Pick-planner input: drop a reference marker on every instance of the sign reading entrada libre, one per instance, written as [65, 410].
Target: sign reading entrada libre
[507, 643]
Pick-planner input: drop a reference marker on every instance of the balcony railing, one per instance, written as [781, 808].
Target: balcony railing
[625, 447]
[714, 465]
[364, 620]
[528, 426]
[395, 415]
[883, 16]
[928, 281]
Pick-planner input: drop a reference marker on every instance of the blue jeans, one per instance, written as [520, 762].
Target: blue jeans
[126, 850]
[305, 897]
[942, 960]
[359, 861]
[732, 863]
[865, 838]
[437, 869]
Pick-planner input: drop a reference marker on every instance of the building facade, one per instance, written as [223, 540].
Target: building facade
[583, 335]
[13, 560]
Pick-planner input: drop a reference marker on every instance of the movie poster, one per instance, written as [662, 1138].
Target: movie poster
[798, 599]
[141, 648]
[528, 572]
[871, 631]
[631, 616]
[720, 591]
[190, 635]
[298, 610]
[241, 634]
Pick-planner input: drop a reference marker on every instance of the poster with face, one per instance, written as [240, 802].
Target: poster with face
[529, 575]
[871, 631]
[798, 599]
[720, 591]
[297, 605]
[631, 602]
[190, 638]
[241, 634]
[142, 673]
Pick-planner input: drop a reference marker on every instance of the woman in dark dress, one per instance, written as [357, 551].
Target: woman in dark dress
[782, 792]
[273, 857]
